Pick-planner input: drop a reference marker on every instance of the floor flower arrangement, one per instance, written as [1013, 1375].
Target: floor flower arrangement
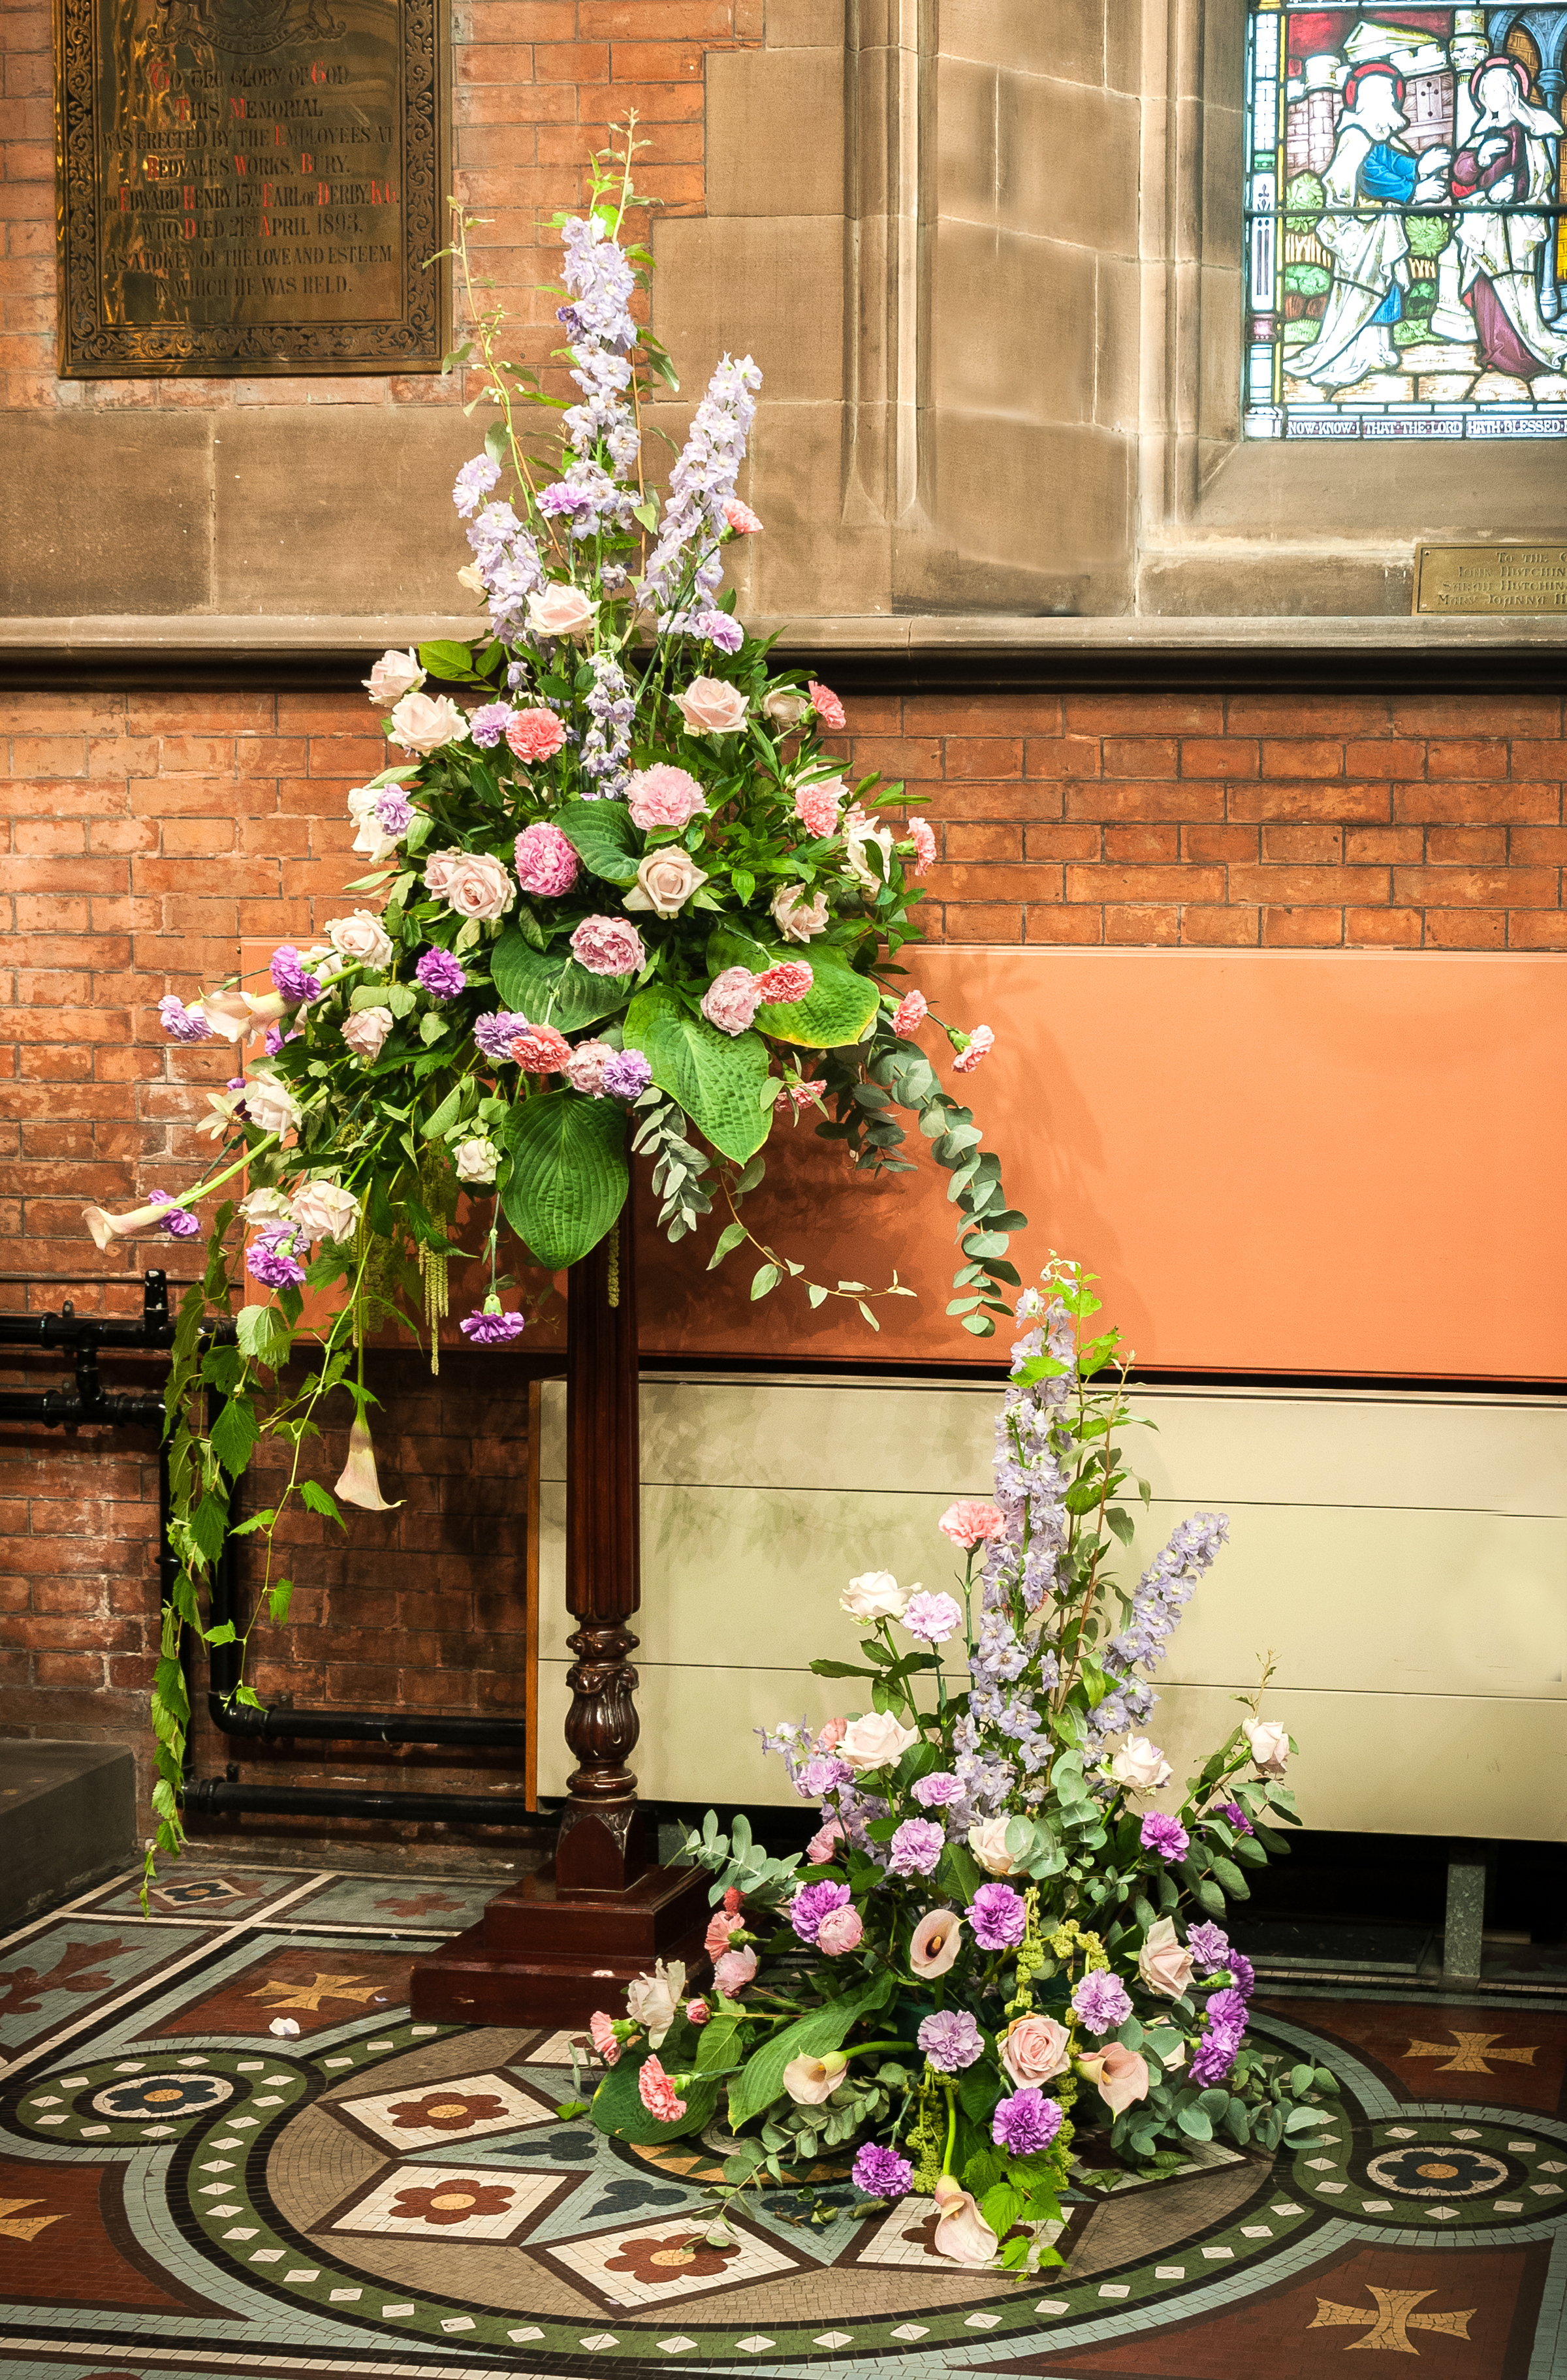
[1002, 1958]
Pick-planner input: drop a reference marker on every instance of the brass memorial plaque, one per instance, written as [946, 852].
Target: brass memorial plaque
[1490, 579]
[250, 186]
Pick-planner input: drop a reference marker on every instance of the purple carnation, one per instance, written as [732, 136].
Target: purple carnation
[917, 1847]
[949, 2038]
[883, 2173]
[932, 1617]
[1244, 1974]
[1237, 1817]
[1209, 1945]
[999, 1916]
[627, 1075]
[1101, 2000]
[812, 1904]
[1164, 1835]
[821, 1775]
[394, 809]
[936, 1792]
[496, 1031]
[489, 723]
[273, 1038]
[290, 977]
[719, 628]
[270, 1262]
[182, 1023]
[1025, 2123]
[487, 1330]
[175, 1221]
[1228, 2009]
[440, 976]
[1213, 2057]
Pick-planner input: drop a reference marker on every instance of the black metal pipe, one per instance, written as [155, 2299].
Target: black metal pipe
[220, 1797]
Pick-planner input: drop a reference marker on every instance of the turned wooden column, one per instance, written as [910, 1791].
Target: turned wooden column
[600, 1846]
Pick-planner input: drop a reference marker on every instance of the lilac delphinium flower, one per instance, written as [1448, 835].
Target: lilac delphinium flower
[627, 1075]
[1236, 1817]
[270, 1262]
[934, 1792]
[1161, 1596]
[1209, 1945]
[440, 974]
[177, 1221]
[999, 1916]
[607, 744]
[932, 1617]
[883, 2173]
[686, 569]
[950, 2040]
[1165, 1836]
[394, 809]
[917, 1847]
[1102, 2002]
[488, 723]
[1025, 2123]
[290, 978]
[491, 1328]
[181, 1023]
[812, 1904]
[496, 1031]
[473, 483]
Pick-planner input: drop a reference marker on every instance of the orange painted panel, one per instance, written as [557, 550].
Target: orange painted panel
[1292, 1162]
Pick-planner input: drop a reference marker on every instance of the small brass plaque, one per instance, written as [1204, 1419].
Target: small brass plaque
[250, 186]
[1490, 579]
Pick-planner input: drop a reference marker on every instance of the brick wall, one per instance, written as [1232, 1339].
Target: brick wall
[536, 85]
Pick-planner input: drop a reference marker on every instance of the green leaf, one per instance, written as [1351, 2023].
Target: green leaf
[715, 1076]
[617, 2107]
[835, 1012]
[319, 1499]
[569, 1176]
[1228, 1875]
[279, 1598]
[264, 1335]
[762, 2081]
[730, 1237]
[599, 834]
[553, 990]
[1000, 2208]
[449, 660]
[235, 1432]
[766, 1277]
[445, 1117]
[1194, 2123]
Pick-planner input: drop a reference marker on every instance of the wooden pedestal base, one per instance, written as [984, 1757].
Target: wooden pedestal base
[545, 1954]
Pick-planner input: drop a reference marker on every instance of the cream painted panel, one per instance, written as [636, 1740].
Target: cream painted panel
[699, 1739]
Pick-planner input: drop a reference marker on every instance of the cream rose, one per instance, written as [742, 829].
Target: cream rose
[875, 1594]
[988, 1843]
[324, 1210]
[472, 577]
[265, 1206]
[270, 1103]
[395, 673]
[423, 723]
[1140, 1766]
[560, 612]
[1035, 2049]
[875, 1742]
[797, 918]
[366, 1030]
[476, 1160]
[477, 886]
[654, 2001]
[709, 706]
[361, 937]
[859, 830]
[665, 882]
[370, 837]
[1270, 1745]
[1164, 1962]
[784, 707]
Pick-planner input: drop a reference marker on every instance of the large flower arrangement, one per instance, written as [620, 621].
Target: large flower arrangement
[1001, 1960]
[626, 902]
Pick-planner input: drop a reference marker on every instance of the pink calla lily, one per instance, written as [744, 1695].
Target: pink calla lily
[106, 1228]
[962, 2231]
[359, 1484]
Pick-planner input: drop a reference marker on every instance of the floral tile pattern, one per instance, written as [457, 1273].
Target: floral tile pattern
[427, 2202]
[468, 2107]
[650, 2264]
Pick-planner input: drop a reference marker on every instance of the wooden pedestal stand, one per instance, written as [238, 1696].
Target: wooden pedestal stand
[567, 1940]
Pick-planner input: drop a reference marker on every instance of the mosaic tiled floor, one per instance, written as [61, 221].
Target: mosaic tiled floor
[183, 2193]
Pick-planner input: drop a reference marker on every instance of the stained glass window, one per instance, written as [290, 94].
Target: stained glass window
[1407, 230]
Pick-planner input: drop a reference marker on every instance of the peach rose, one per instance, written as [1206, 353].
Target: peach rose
[560, 611]
[784, 707]
[709, 707]
[422, 725]
[732, 1970]
[1164, 1962]
[1035, 2049]
[394, 674]
[366, 1030]
[797, 918]
[324, 1210]
[1118, 2075]
[876, 1741]
[361, 937]
[1140, 1766]
[665, 882]
[1169, 2050]
[988, 1843]
[654, 2000]
[479, 886]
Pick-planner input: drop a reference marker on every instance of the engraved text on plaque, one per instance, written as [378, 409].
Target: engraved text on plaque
[1490, 579]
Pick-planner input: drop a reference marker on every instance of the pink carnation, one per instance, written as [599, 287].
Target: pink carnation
[658, 2094]
[605, 2041]
[741, 518]
[535, 734]
[910, 1013]
[924, 844]
[545, 861]
[733, 1898]
[608, 946]
[980, 1041]
[733, 1971]
[970, 1524]
[542, 1051]
[801, 1095]
[720, 1926]
[665, 796]
[788, 981]
[731, 1000]
[817, 806]
[585, 1070]
[829, 710]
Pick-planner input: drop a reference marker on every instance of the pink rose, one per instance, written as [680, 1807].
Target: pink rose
[797, 918]
[970, 1522]
[663, 795]
[560, 611]
[817, 806]
[698, 2012]
[361, 937]
[878, 1740]
[608, 946]
[790, 980]
[585, 1067]
[1269, 1745]
[395, 673]
[665, 882]
[422, 725]
[962, 2233]
[658, 2094]
[542, 1051]
[988, 1843]
[741, 518]
[924, 844]
[1140, 1766]
[709, 707]
[606, 2041]
[1164, 1962]
[477, 886]
[840, 1931]
[936, 1940]
[535, 734]
[732, 1970]
[545, 861]
[438, 870]
[721, 1924]
[1118, 2075]
[829, 710]
[823, 1844]
[981, 1041]
[1035, 2049]
[364, 1031]
[910, 1015]
[732, 999]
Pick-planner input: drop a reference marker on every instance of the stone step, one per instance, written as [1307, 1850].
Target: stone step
[68, 1819]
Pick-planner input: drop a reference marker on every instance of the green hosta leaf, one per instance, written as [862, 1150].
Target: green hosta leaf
[553, 990]
[715, 1076]
[835, 1012]
[569, 1178]
[599, 834]
[617, 2107]
[811, 2036]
